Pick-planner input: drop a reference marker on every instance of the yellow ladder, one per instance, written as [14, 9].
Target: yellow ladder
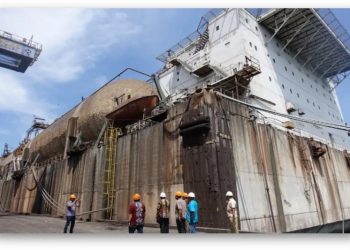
[111, 138]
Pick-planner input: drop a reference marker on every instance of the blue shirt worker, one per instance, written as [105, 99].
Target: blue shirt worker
[192, 213]
[71, 205]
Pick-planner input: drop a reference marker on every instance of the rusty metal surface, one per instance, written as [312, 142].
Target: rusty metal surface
[133, 110]
[279, 183]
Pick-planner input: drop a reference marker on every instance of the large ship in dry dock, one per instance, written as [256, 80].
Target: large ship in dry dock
[245, 103]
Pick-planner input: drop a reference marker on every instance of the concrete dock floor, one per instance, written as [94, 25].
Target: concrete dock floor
[14, 223]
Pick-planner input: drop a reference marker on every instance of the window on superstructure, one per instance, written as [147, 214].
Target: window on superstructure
[256, 28]
[319, 107]
[302, 79]
[246, 20]
[277, 45]
[217, 27]
[285, 68]
[273, 59]
[291, 91]
[307, 100]
[298, 95]
[283, 86]
[250, 44]
[329, 113]
[256, 48]
[270, 79]
[310, 85]
[313, 104]
[292, 73]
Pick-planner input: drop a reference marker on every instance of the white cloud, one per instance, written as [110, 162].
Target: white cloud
[72, 39]
[15, 97]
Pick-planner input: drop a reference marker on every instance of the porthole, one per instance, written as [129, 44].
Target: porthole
[285, 68]
[273, 59]
[283, 86]
[290, 90]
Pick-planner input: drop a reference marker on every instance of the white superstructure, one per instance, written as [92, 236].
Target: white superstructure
[296, 55]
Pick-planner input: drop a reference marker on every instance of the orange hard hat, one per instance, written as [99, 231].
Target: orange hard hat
[178, 194]
[185, 195]
[136, 197]
[72, 196]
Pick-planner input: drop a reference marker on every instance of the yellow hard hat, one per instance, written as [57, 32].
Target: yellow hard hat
[178, 194]
[136, 197]
[72, 196]
[185, 195]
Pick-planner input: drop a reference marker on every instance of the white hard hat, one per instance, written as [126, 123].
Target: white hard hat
[162, 195]
[229, 193]
[191, 195]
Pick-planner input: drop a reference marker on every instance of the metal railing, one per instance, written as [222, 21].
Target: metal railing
[20, 40]
[194, 36]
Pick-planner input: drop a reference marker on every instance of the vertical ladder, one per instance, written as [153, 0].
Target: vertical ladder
[111, 137]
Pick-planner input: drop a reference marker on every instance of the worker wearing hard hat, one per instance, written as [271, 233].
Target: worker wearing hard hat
[162, 215]
[71, 205]
[192, 213]
[231, 212]
[137, 211]
[185, 201]
[180, 212]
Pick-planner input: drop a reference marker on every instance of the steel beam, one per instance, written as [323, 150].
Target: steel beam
[297, 32]
[280, 27]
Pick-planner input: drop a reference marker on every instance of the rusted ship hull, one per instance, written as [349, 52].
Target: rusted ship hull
[278, 181]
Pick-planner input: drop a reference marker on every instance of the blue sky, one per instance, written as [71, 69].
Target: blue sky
[83, 49]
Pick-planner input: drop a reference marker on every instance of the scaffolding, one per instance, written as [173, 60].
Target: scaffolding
[111, 138]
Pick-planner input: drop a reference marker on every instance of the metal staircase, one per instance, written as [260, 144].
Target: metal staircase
[202, 41]
[111, 139]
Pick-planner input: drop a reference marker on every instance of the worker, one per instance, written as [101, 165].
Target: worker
[137, 212]
[71, 205]
[185, 203]
[231, 212]
[192, 213]
[180, 214]
[162, 215]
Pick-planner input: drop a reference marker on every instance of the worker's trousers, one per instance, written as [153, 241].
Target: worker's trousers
[71, 221]
[164, 225]
[192, 228]
[181, 225]
[138, 228]
[233, 224]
